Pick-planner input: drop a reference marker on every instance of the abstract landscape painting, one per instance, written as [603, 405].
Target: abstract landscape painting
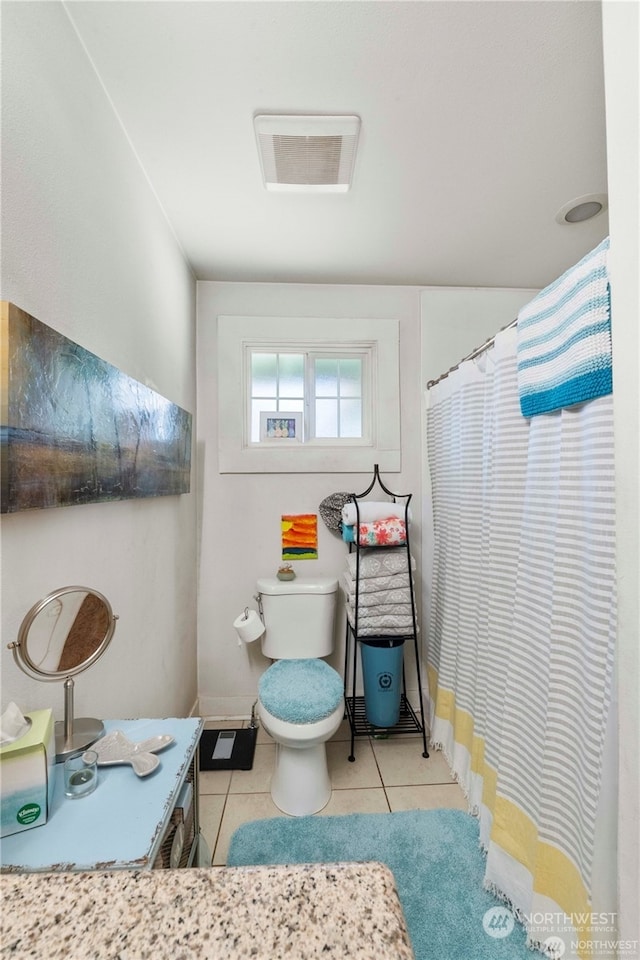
[75, 429]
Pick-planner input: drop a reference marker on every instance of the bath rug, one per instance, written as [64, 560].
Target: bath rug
[435, 858]
[241, 753]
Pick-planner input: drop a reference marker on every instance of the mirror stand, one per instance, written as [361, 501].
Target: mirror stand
[60, 637]
[73, 736]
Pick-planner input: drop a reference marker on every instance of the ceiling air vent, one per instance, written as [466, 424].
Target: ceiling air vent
[309, 154]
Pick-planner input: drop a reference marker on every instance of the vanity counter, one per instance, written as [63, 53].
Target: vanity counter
[308, 911]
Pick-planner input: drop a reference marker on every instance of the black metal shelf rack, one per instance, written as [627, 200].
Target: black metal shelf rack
[408, 721]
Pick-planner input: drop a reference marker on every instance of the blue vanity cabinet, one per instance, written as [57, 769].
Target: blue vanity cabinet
[128, 822]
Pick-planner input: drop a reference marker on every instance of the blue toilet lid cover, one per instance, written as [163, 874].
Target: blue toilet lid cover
[300, 691]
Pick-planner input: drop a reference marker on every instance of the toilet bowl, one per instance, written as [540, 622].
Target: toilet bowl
[300, 697]
[300, 783]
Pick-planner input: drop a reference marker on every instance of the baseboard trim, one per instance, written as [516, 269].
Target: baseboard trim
[225, 708]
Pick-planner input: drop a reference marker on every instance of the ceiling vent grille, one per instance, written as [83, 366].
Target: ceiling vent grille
[307, 154]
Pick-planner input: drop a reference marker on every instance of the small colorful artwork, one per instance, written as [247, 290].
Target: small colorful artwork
[300, 536]
[280, 426]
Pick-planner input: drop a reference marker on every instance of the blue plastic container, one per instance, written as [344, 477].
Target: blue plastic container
[382, 677]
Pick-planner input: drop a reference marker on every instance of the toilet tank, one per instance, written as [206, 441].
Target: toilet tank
[298, 616]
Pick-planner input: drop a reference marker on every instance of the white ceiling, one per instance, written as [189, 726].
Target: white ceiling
[480, 119]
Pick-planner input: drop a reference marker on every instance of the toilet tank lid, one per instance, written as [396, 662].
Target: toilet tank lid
[275, 587]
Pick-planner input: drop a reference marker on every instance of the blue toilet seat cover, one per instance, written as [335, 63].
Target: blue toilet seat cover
[300, 691]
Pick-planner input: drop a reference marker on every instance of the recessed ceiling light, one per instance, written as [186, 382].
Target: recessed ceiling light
[312, 154]
[582, 208]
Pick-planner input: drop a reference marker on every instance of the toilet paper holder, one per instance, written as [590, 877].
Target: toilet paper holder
[258, 598]
[249, 626]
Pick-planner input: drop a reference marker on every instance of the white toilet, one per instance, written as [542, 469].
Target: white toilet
[300, 697]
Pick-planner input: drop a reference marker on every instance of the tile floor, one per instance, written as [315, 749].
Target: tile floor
[387, 775]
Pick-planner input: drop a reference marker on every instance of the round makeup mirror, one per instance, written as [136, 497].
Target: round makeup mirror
[60, 637]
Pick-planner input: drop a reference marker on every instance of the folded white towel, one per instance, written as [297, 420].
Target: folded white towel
[400, 595]
[379, 562]
[384, 609]
[388, 620]
[382, 626]
[370, 510]
[376, 585]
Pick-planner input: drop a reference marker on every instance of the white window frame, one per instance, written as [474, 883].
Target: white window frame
[311, 352]
[381, 445]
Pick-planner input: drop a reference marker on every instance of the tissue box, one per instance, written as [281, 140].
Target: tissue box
[26, 775]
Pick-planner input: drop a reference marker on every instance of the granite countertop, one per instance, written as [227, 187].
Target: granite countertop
[303, 912]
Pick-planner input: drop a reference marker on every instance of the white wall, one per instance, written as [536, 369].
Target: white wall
[87, 251]
[621, 40]
[456, 320]
[240, 524]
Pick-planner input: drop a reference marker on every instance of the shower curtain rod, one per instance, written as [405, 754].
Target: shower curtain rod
[471, 356]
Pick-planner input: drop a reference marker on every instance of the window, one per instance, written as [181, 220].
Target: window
[337, 378]
[337, 397]
[327, 388]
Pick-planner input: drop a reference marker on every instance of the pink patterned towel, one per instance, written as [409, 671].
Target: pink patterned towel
[389, 532]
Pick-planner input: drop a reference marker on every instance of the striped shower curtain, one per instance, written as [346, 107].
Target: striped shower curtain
[521, 632]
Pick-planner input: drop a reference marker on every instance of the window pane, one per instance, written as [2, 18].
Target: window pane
[264, 374]
[327, 378]
[351, 377]
[350, 418]
[291, 372]
[326, 418]
[291, 404]
[256, 407]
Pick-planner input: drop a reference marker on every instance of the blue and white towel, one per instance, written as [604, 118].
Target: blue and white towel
[564, 339]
